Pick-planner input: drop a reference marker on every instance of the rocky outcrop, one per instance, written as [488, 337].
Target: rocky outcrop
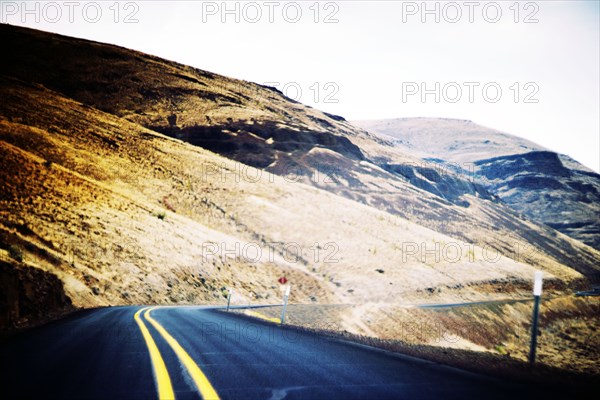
[259, 144]
[29, 296]
[449, 186]
[540, 186]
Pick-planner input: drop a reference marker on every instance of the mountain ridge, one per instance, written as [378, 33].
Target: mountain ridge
[549, 187]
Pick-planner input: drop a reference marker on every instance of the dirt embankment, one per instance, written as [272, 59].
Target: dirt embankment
[28, 296]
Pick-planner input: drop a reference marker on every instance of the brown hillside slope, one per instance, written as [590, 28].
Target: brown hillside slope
[260, 127]
[123, 214]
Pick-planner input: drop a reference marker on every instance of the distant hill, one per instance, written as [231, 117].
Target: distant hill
[453, 140]
[548, 187]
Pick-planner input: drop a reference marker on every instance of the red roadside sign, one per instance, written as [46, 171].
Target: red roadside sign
[283, 280]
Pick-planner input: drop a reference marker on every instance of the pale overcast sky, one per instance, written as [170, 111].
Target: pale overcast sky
[372, 59]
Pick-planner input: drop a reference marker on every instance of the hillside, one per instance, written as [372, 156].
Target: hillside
[136, 180]
[548, 187]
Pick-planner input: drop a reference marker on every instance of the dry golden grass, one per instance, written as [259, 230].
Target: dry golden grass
[260, 127]
[129, 213]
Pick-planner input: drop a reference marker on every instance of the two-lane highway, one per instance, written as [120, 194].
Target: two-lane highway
[196, 352]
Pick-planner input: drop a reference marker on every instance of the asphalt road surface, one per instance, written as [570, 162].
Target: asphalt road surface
[196, 352]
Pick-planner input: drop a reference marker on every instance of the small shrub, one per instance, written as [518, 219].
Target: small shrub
[161, 215]
[15, 253]
[501, 349]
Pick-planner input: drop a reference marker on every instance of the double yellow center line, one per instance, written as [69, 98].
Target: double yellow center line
[161, 374]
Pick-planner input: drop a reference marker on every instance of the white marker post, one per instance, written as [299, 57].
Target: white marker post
[537, 293]
[229, 293]
[285, 301]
